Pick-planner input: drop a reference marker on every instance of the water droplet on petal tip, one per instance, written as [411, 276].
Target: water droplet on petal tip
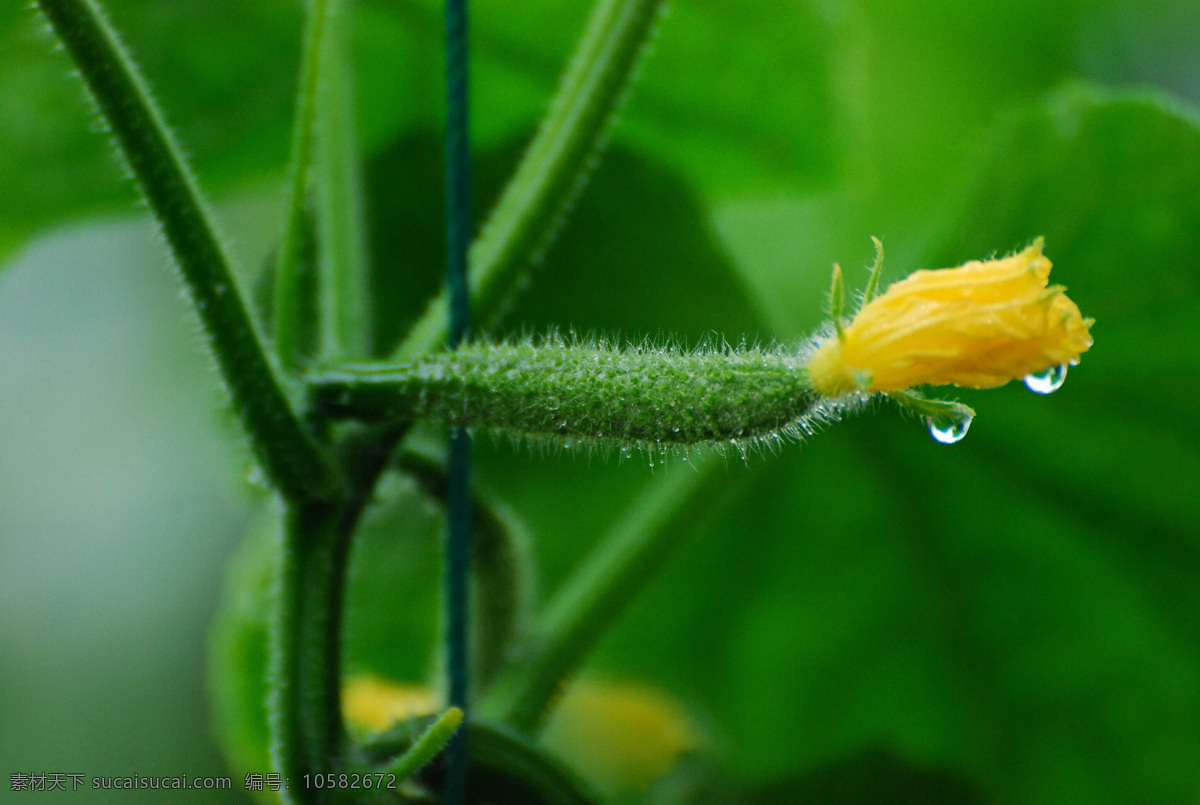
[948, 430]
[1048, 380]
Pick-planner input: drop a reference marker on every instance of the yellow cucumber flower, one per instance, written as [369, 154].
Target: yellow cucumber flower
[371, 704]
[619, 736]
[978, 325]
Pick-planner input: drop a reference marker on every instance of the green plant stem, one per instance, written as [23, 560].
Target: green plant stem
[554, 167]
[307, 734]
[627, 557]
[344, 306]
[427, 745]
[287, 265]
[290, 457]
[501, 761]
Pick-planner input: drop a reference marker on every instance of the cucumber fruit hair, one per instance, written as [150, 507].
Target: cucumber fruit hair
[594, 393]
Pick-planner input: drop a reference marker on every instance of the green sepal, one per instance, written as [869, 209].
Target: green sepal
[837, 300]
[876, 269]
[935, 410]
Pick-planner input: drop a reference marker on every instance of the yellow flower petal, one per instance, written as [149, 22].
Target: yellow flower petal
[371, 704]
[620, 736]
[978, 325]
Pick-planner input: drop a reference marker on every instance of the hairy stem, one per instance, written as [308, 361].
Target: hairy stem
[503, 764]
[427, 745]
[307, 734]
[554, 167]
[287, 266]
[290, 457]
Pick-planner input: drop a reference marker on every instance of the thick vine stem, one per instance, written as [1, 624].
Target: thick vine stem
[307, 734]
[290, 457]
[555, 166]
[641, 397]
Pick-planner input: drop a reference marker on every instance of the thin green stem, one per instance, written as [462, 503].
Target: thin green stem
[287, 267]
[627, 557]
[426, 747]
[502, 764]
[290, 457]
[555, 165]
[344, 307]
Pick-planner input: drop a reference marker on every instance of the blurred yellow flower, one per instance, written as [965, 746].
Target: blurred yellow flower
[371, 704]
[619, 736]
[978, 325]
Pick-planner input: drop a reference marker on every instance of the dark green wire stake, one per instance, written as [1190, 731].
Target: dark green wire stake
[458, 499]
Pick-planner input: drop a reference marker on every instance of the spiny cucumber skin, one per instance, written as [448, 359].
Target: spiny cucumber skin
[594, 394]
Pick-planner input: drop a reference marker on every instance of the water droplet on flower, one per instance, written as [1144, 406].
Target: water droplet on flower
[1048, 380]
[948, 430]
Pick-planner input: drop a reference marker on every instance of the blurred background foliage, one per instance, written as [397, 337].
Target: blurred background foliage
[868, 617]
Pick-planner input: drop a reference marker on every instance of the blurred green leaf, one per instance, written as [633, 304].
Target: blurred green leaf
[225, 75]
[872, 776]
[238, 648]
[223, 72]
[653, 269]
[740, 97]
[744, 98]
